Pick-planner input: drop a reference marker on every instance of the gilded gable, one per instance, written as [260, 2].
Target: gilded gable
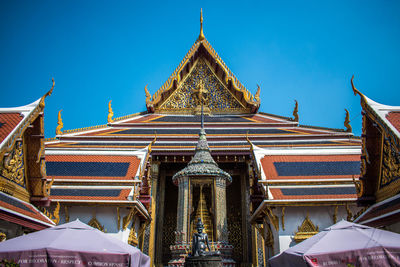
[215, 96]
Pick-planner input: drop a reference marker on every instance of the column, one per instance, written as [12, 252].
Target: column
[220, 210]
[183, 209]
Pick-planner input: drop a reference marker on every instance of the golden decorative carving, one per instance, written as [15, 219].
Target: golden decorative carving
[12, 166]
[283, 218]
[359, 212]
[347, 122]
[43, 167]
[257, 95]
[148, 95]
[204, 213]
[306, 230]
[42, 104]
[175, 78]
[364, 151]
[391, 161]
[200, 94]
[152, 143]
[11, 188]
[201, 86]
[272, 218]
[128, 218]
[269, 239]
[118, 218]
[40, 152]
[359, 186]
[3, 237]
[355, 91]
[261, 230]
[66, 212]
[60, 124]
[132, 239]
[96, 224]
[142, 229]
[349, 213]
[55, 215]
[47, 187]
[201, 35]
[110, 113]
[296, 111]
[334, 216]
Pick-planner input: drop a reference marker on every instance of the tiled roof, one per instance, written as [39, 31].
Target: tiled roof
[92, 167]
[183, 119]
[379, 212]
[23, 210]
[8, 121]
[194, 131]
[394, 119]
[390, 115]
[310, 192]
[310, 166]
[190, 144]
[141, 119]
[71, 194]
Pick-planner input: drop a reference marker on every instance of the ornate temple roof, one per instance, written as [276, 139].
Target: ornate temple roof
[380, 163]
[22, 165]
[224, 132]
[17, 211]
[202, 163]
[226, 93]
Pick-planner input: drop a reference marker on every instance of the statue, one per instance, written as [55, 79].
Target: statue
[200, 242]
[200, 95]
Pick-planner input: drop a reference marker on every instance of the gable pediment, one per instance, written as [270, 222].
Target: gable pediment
[202, 67]
[216, 97]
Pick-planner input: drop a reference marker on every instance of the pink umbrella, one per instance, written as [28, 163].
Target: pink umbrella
[71, 244]
[344, 244]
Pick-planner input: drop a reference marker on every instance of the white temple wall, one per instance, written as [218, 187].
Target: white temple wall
[321, 216]
[106, 216]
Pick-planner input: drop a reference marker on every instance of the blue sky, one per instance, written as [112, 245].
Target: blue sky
[109, 50]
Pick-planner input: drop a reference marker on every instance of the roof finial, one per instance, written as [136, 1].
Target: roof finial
[201, 35]
[60, 124]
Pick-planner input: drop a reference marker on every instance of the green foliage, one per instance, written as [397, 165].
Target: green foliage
[8, 263]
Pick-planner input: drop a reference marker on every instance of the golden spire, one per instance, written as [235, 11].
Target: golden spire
[201, 35]
[347, 122]
[60, 124]
[148, 95]
[41, 103]
[296, 111]
[355, 91]
[110, 113]
[257, 95]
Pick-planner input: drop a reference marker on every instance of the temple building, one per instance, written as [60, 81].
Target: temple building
[380, 165]
[260, 182]
[24, 190]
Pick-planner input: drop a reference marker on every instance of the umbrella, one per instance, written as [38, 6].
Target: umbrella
[71, 244]
[343, 244]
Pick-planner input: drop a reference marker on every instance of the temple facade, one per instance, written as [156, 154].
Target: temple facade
[379, 185]
[260, 182]
[24, 188]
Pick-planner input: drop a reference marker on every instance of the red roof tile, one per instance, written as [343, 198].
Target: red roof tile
[133, 162]
[271, 173]
[21, 208]
[123, 195]
[8, 121]
[394, 119]
[278, 195]
[146, 118]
